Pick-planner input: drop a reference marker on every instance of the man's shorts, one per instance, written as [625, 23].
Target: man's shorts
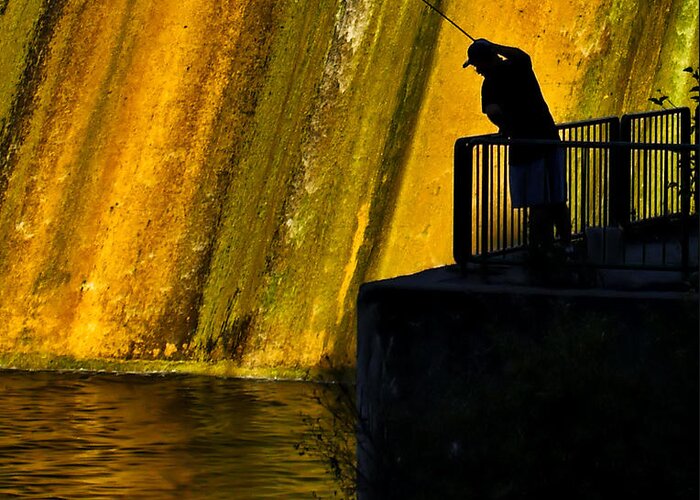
[539, 182]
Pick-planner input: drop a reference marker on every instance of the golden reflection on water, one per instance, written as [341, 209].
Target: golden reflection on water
[127, 436]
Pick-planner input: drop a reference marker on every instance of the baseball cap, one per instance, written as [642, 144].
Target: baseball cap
[477, 52]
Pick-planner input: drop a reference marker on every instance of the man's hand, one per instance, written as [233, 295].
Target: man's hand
[511, 53]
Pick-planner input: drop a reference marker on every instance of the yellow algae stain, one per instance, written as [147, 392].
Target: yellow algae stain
[34, 197]
[101, 197]
[172, 92]
[146, 190]
[170, 350]
[351, 264]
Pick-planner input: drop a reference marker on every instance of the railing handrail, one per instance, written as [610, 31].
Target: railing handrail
[679, 147]
[652, 114]
[598, 121]
[584, 123]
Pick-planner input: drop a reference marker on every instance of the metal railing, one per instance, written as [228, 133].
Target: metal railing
[656, 176]
[588, 171]
[624, 172]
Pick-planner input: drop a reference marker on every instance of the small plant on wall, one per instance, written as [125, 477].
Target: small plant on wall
[694, 92]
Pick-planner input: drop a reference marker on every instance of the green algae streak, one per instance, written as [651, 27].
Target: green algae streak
[645, 45]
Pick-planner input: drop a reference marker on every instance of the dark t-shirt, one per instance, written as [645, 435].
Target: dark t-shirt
[512, 85]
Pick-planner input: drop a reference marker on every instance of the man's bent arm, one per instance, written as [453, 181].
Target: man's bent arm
[512, 53]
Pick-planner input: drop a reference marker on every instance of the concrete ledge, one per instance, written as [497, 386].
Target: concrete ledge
[36, 362]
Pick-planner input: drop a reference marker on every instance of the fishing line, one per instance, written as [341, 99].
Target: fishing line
[448, 20]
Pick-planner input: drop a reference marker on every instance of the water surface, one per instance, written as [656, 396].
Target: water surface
[130, 436]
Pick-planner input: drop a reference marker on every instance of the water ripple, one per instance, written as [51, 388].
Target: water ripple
[124, 436]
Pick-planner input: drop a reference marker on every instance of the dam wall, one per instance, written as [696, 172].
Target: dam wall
[197, 181]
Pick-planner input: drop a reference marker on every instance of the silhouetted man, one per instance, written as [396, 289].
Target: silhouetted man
[513, 101]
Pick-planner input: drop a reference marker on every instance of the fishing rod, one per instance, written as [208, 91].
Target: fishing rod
[448, 20]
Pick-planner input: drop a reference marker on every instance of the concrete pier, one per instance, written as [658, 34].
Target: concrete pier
[481, 386]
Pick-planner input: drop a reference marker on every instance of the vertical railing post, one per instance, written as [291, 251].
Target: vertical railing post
[696, 177]
[485, 199]
[696, 172]
[686, 189]
[462, 203]
[583, 176]
[620, 174]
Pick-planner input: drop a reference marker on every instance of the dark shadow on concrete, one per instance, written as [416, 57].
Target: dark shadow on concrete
[482, 387]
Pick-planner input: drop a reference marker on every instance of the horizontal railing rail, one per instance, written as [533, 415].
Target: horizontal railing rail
[620, 173]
